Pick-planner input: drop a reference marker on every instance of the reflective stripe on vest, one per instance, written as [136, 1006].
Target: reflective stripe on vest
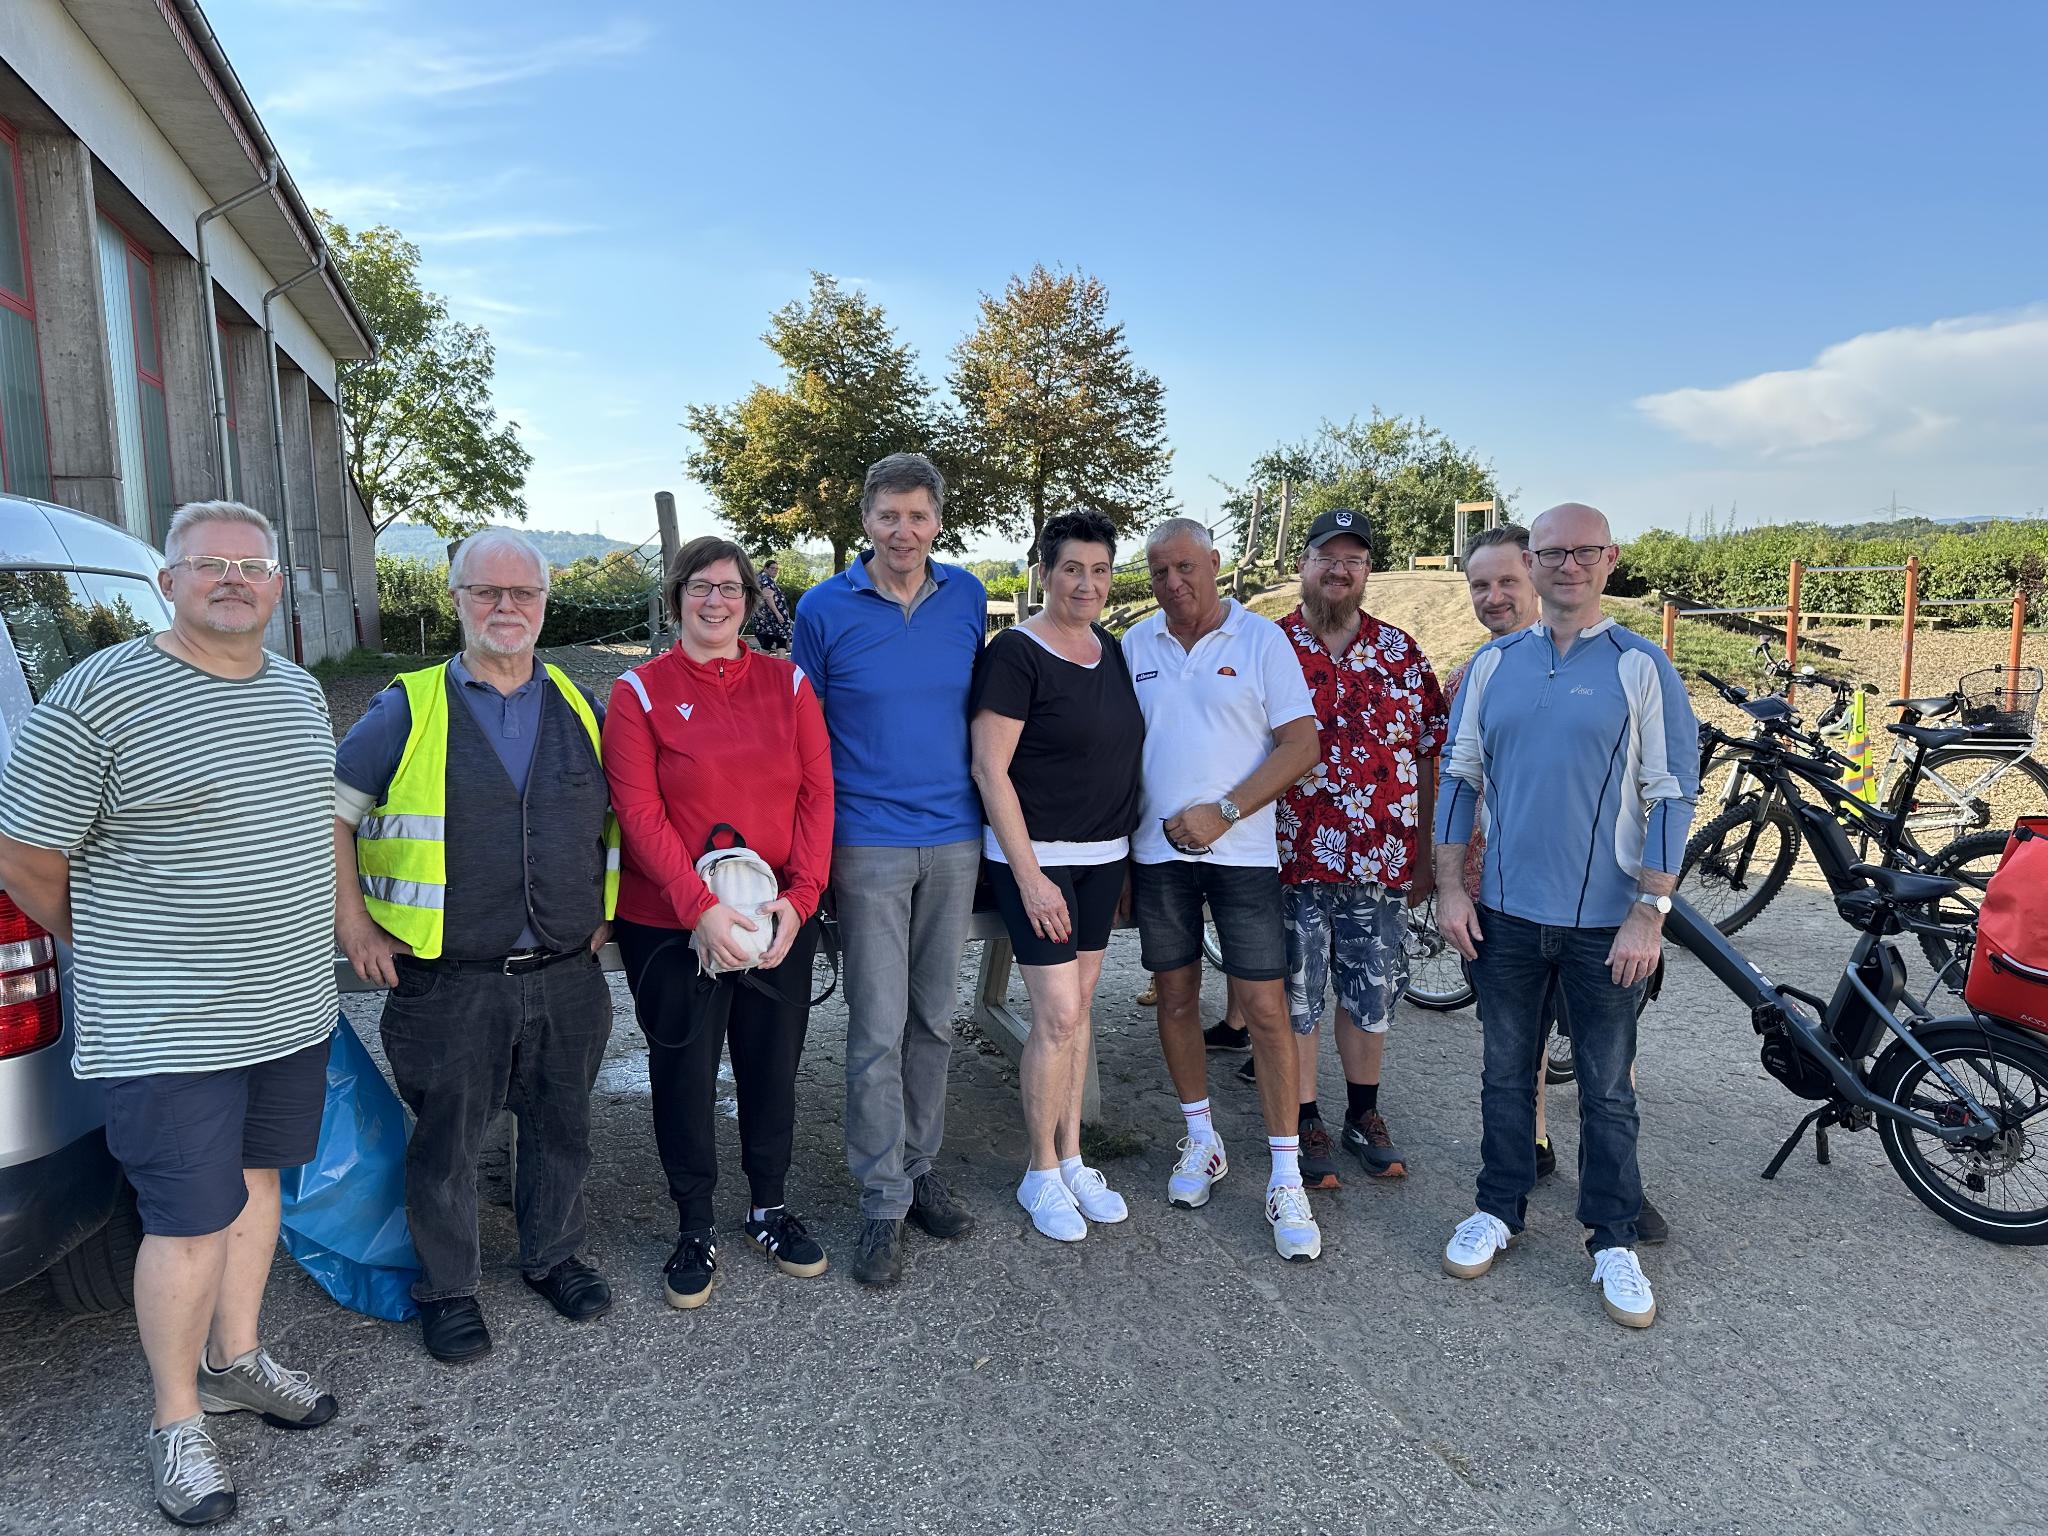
[401, 847]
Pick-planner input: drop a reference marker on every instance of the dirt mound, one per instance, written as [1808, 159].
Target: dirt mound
[1430, 605]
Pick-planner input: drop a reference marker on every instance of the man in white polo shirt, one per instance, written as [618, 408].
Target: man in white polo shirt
[1229, 724]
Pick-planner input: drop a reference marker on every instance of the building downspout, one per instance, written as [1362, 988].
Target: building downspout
[218, 373]
[284, 484]
[348, 526]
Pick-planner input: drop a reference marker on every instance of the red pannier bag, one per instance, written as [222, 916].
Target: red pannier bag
[2009, 969]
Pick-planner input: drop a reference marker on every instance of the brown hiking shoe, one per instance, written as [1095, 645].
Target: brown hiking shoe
[1318, 1158]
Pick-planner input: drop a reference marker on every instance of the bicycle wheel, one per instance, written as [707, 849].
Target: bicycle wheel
[1972, 860]
[1436, 972]
[1997, 1190]
[1212, 947]
[1970, 789]
[1737, 862]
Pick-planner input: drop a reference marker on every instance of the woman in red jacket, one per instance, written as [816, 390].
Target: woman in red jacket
[714, 733]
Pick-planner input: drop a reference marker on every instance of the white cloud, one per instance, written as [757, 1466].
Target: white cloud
[394, 68]
[503, 230]
[1976, 380]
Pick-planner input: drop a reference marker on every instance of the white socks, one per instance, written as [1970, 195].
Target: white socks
[1200, 1127]
[1286, 1161]
[1070, 1168]
[1036, 1177]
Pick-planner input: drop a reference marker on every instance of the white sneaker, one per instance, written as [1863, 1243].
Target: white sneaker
[1201, 1164]
[1623, 1290]
[1295, 1232]
[1097, 1200]
[1469, 1253]
[1053, 1210]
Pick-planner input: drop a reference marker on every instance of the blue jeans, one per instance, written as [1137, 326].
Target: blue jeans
[1521, 967]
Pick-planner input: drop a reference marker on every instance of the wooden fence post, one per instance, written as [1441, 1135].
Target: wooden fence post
[1912, 619]
[2019, 635]
[1792, 613]
[1670, 630]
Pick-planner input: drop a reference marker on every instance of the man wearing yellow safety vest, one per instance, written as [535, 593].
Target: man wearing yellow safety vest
[478, 870]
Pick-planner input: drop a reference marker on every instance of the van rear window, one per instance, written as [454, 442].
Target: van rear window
[58, 618]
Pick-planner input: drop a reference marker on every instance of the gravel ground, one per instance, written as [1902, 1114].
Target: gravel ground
[1829, 1355]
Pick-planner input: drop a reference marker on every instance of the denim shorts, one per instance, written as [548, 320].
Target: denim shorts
[1359, 934]
[1244, 904]
[183, 1138]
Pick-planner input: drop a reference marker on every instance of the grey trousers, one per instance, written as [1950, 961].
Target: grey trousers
[903, 917]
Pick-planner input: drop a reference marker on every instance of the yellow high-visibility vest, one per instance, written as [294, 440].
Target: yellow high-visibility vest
[401, 846]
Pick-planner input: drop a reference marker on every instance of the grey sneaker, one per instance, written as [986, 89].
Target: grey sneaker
[192, 1482]
[255, 1383]
[932, 1207]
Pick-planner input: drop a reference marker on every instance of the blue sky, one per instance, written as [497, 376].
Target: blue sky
[1792, 258]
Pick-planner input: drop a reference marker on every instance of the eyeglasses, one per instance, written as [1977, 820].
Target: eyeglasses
[731, 591]
[215, 567]
[487, 597]
[1349, 562]
[1584, 554]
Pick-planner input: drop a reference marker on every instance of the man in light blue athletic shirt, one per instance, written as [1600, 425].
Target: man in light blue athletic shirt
[1581, 735]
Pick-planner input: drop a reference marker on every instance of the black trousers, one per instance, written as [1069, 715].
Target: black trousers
[688, 1017]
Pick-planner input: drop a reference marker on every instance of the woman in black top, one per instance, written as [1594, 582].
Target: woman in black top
[1057, 735]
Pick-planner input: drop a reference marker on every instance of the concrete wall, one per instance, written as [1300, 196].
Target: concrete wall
[196, 471]
[43, 45]
[368, 615]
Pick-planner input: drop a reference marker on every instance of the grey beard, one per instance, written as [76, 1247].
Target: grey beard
[1324, 616]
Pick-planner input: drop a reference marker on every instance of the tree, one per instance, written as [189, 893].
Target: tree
[785, 464]
[423, 437]
[1053, 412]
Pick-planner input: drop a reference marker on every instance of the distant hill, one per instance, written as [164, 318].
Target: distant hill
[415, 541]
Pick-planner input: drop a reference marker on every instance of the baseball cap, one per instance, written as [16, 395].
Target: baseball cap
[1339, 520]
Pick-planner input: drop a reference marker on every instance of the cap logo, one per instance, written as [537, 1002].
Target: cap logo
[1343, 519]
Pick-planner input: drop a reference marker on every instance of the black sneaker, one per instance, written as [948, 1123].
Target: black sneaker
[1367, 1140]
[1221, 1037]
[783, 1238]
[1249, 1072]
[1318, 1158]
[932, 1207]
[878, 1261]
[692, 1270]
[1546, 1159]
[1558, 1065]
[1651, 1227]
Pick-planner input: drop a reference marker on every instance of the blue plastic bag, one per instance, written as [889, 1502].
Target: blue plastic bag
[344, 1212]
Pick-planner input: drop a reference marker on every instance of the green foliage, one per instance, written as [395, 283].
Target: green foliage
[1747, 569]
[414, 608]
[597, 597]
[797, 571]
[991, 571]
[1124, 586]
[1406, 476]
[786, 462]
[415, 541]
[1700, 645]
[1054, 413]
[424, 440]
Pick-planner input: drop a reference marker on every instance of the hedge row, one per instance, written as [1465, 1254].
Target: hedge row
[1748, 569]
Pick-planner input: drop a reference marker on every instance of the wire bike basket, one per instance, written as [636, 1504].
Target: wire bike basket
[2000, 701]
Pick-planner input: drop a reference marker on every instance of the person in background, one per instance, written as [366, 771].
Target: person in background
[165, 811]
[1354, 836]
[477, 868]
[889, 646]
[771, 615]
[1228, 726]
[1543, 719]
[710, 743]
[1057, 735]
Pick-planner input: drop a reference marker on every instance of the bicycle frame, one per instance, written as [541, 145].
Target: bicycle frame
[1811, 1021]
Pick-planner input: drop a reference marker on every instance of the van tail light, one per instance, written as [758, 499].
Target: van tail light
[31, 1008]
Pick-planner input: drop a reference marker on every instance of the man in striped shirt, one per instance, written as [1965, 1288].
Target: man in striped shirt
[1582, 738]
[166, 811]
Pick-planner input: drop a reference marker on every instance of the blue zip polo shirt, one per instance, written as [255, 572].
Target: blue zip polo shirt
[893, 684]
[1589, 763]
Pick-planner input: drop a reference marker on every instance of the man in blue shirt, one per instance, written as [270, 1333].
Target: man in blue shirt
[889, 646]
[1582, 738]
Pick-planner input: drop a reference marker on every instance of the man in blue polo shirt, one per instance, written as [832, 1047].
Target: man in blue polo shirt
[1582, 738]
[889, 646]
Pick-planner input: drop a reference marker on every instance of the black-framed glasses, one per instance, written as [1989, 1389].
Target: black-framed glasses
[1352, 563]
[488, 597]
[215, 567]
[1583, 554]
[731, 591]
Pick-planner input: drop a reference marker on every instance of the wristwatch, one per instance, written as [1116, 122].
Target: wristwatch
[1661, 903]
[1229, 809]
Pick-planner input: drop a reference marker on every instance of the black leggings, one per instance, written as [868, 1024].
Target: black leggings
[687, 1017]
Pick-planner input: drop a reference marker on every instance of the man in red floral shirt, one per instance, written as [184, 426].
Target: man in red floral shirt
[1354, 835]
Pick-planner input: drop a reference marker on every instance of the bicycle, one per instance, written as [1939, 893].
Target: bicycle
[1436, 976]
[1735, 864]
[1952, 1144]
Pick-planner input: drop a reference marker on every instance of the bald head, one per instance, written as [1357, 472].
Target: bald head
[1569, 523]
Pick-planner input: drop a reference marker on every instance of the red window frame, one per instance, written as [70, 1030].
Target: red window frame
[23, 304]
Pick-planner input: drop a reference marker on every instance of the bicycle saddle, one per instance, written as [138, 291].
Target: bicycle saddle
[1932, 738]
[1904, 886]
[1928, 709]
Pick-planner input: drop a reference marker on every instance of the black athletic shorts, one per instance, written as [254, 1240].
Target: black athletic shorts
[1092, 892]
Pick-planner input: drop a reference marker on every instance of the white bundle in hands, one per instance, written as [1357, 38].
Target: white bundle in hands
[741, 879]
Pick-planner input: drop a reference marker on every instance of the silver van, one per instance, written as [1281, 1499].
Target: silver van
[69, 585]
